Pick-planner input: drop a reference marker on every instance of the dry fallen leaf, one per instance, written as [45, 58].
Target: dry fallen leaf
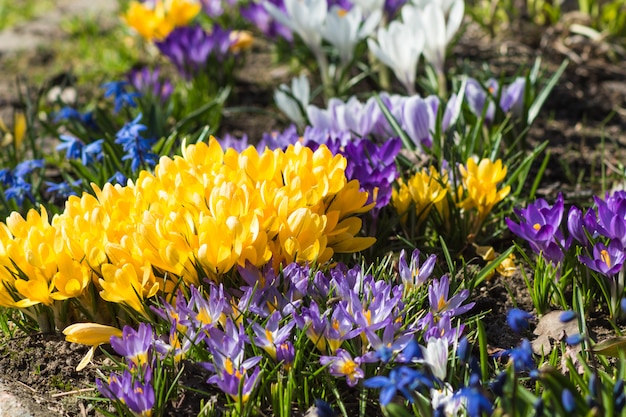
[549, 329]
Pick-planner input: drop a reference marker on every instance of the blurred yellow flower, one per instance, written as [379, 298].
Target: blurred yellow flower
[155, 20]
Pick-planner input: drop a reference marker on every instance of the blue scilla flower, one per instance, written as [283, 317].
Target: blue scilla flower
[121, 97]
[72, 146]
[476, 400]
[568, 401]
[138, 149]
[62, 189]
[518, 319]
[67, 113]
[403, 379]
[19, 190]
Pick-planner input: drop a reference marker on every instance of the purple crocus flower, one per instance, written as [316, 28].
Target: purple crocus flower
[190, 47]
[272, 336]
[439, 302]
[149, 82]
[418, 119]
[412, 275]
[511, 97]
[285, 353]
[388, 346]
[315, 324]
[607, 260]
[134, 345]
[140, 400]
[610, 220]
[230, 141]
[341, 327]
[137, 396]
[205, 313]
[228, 349]
[575, 225]
[342, 364]
[540, 226]
[258, 15]
[238, 384]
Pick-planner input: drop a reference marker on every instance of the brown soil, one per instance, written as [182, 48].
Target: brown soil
[575, 120]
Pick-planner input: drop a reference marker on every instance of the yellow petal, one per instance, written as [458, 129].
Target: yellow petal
[92, 334]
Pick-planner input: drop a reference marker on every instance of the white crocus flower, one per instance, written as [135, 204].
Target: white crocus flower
[436, 357]
[344, 29]
[292, 101]
[304, 17]
[445, 398]
[399, 46]
[432, 19]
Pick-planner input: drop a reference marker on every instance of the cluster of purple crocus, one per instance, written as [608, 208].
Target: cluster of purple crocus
[600, 231]
[191, 49]
[364, 323]
[373, 165]
[597, 234]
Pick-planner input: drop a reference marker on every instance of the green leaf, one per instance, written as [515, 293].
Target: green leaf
[396, 410]
[534, 109]
[611, 347]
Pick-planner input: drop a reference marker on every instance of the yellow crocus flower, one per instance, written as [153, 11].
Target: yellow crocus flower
[125, 284]
[72, 278]
[481, 184]
[425, 189]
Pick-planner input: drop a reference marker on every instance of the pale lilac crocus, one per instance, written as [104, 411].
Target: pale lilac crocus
[238, 384]
[412, 274]
[438, 293]
[343, 365]
[272, 335]
[385, 348]
[134, 345]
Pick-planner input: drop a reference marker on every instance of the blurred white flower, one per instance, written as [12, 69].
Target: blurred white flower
[344, 29]
[399, 46]
[304, 17]
[431, 19]
[293, 101]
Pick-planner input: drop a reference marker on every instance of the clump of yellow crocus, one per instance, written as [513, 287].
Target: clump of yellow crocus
[480, 182]
[425, 190]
